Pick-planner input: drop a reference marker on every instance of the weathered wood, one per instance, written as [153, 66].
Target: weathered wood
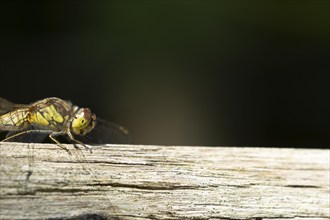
[41, 181]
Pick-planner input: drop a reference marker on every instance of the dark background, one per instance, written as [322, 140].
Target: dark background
[237, 73]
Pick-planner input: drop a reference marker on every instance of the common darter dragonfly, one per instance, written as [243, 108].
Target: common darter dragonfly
[57, 120]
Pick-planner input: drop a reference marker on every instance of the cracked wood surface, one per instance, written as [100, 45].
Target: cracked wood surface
[43, 181]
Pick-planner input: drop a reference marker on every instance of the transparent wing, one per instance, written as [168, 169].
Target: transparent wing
[103, 133]
[7, 106]
[33, 137]
[106, 133]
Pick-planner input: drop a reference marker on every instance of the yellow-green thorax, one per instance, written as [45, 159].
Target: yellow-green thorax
[50, 113]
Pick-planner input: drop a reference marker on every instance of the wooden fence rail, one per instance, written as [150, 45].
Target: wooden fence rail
[43, 181]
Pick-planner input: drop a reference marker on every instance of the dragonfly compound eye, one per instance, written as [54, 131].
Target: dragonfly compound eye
[83, 121]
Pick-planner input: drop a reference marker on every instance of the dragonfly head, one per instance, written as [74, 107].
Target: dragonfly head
[83, 121]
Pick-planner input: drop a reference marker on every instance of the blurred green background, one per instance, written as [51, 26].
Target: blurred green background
[235, 73]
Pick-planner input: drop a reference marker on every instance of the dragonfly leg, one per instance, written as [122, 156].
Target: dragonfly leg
[18, 134]
[51, 136]
[79, 142]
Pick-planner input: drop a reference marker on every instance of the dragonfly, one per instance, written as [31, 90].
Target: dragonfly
[57, 120]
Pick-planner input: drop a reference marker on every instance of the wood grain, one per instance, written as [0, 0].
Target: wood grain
[43, 181]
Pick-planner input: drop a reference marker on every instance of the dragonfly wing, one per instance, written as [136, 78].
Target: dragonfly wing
[103, 133]
[7, 106]
[32, 137]
[107, 133]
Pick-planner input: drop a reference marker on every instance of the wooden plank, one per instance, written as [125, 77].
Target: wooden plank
[42, 181]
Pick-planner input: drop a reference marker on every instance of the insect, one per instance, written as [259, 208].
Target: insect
[57, 120]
